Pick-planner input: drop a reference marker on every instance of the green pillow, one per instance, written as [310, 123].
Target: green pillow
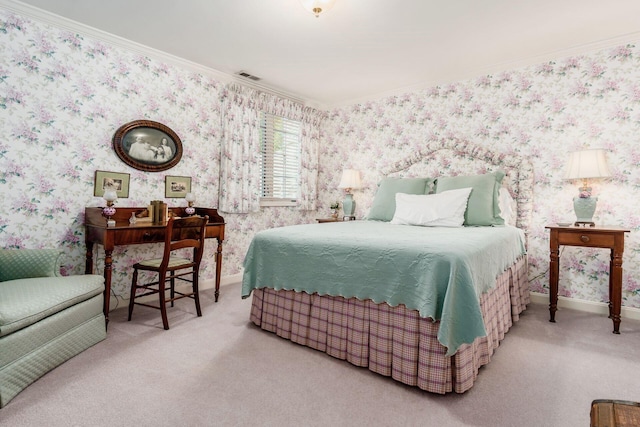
[27, 263]
[483, 207]
[384, 202]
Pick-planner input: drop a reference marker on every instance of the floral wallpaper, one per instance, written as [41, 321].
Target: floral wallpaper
[542, 112]
[63, 95]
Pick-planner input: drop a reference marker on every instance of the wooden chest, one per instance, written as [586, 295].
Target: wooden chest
[615, 413]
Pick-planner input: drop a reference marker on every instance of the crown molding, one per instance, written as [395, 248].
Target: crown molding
[126, 44]
[500, 67]
[120, 42]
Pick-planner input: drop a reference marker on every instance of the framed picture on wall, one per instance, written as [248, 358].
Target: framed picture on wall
[147, 145]
[177, 186]
[116, 180]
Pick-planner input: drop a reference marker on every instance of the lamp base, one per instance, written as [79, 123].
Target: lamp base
[348, 205]
[108, 212]
[584, 223]
[584, 208]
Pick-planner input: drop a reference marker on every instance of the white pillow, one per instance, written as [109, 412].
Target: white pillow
[444, 209]
[507, 205]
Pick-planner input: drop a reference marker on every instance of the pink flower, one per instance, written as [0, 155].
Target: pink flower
[621, 52]
[585, 194]
[483, 81]
[595, 70]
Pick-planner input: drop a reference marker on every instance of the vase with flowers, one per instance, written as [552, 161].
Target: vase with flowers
[335, 207]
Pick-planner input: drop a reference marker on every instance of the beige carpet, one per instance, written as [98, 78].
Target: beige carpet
[219, 370]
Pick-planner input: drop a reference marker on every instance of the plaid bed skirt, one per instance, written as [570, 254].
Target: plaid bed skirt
[393, 341]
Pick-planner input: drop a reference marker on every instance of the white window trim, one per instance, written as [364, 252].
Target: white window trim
[266, 202]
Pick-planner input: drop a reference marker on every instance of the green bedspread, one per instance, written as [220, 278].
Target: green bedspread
[440, 272]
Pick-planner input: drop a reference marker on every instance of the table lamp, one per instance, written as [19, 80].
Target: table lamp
[110, 196]
[350, 180]
[190, 198]
[585, 165]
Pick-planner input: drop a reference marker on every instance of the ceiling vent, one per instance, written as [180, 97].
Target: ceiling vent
[248, 76]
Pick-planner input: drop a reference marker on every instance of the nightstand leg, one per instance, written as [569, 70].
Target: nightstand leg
[554, 266]
[615, 289]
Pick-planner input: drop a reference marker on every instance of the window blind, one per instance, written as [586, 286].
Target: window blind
[280, 153]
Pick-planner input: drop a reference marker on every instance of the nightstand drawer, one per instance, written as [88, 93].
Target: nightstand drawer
[586, 239]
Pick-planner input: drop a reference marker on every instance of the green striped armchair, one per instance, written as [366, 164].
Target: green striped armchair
[45, 318]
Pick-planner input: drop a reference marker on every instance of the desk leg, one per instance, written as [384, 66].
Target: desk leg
[108, 260]
[88, 264]
[615, 289]
[218, 268]
[554, 266]
[88, 269]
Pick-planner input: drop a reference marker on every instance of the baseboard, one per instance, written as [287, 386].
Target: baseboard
[536, 298]
[204, 285]
[583, 305]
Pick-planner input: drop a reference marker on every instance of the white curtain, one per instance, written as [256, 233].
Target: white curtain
[307, 198]
[240, 161]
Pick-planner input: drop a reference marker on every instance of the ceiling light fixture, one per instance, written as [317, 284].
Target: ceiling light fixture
[317, 6]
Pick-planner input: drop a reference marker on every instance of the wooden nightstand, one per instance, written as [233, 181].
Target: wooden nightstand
[608, 237]
[344, 218]
[321, 220]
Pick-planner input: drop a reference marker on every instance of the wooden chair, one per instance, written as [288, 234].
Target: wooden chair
[181, 233]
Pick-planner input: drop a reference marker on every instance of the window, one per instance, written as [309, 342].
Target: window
[280, 165]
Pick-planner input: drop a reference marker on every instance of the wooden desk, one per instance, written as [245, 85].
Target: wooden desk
[608, 237]
[127, 234]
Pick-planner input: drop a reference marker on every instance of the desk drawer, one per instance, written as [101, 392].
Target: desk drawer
[132, 236]
[598, 240]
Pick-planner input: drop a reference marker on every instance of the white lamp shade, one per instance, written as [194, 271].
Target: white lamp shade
[190, 197]
[587, 164]
[317, 6]
[110, 195]
[350, 179]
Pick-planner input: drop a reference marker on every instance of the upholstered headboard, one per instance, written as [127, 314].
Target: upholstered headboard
[450, 157]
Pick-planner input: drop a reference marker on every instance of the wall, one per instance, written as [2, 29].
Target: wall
[62, 97]
[543, 112]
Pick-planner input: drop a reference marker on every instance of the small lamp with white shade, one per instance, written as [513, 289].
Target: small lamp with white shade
[350, 181]
[585, 165]
[110, 196]
[190, 198]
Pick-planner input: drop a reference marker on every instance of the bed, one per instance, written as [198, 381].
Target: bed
[407, 293]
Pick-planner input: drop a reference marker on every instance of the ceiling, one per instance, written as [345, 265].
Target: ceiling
[360, 49]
